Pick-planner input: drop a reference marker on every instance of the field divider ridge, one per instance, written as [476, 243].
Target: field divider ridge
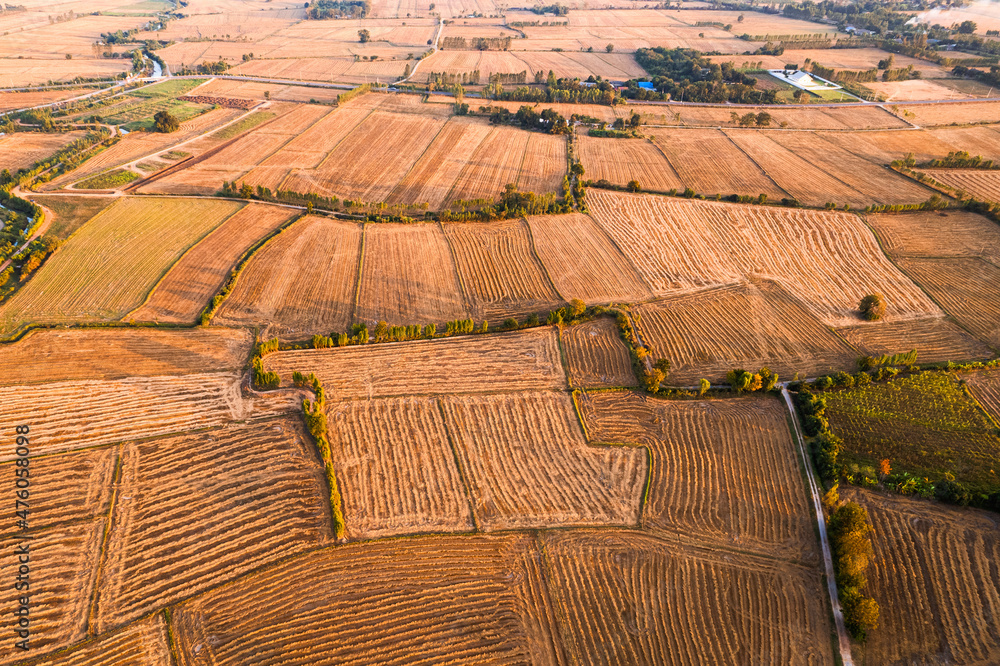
[413, 165]
[361, 266]
[466, 298]
[103, 554]
[541, 264]
[458, 463]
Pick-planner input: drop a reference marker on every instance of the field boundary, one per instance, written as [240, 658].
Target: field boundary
[413, 165]
[361, 265]
[458, 463]
[749, 157]
[607, 235]
[545, 269]
[103, 553]
[454, 260]
[168, 620]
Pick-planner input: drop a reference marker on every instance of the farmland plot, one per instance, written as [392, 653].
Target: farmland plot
[407, 276]
[583, 262]
[102, 353]
[979, 184]
[494, 164]
[190, 284]
[395, 468]
[986, 388]
[926, 424]
[21, 150]
[596, 355]
[621, 161]
[966, 288]
[749, 492]
[979, 140]
[67, 214]
[498, 270]
[67, 488]
[709, 163]
[519, 361]
[112, 262]
[143, 642]
[415, 600]
[933, 574]
[63, 565]
[372, 159]
[25, 100]
[934, 339]
[433, 175]
[255, 494]
[884, 147]
[544, 163]
[528, 464]
[879, 184]
[938, 234]
[750, 325]
[38, 71]
[950, 114]
[632, 598]
[683, 245]
[301, 283]
[79, 414]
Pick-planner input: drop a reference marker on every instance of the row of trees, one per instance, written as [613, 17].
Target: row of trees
[686, 75]
[338, 9]
[476, 43]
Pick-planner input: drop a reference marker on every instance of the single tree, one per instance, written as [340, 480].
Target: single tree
[164, 122]
[364, 36]
[609, 48]
[967, 27]
[703, 386]
[872, 307]
[884, 469]
[633, 186]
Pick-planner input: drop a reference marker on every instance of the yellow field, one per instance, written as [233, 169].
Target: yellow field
[107, 267]
[22, 150]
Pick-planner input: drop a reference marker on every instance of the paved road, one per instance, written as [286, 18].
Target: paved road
[838, 614]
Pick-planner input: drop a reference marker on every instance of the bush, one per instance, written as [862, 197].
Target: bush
[164, 122]
[872, 307]
[952, 492]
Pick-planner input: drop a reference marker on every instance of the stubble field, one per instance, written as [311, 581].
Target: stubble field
[596, 357]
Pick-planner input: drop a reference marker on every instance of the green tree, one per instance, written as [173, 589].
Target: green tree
[577, 307]
[164, 122]
[872, 307]
[364, 36]
[609, 48]
[967, 27]
[633, 186]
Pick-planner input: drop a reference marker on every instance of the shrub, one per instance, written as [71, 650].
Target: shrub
[703, 386]
[164, 122]
[952, 492]
[872, 307]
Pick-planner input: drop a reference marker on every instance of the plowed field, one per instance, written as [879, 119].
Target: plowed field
[596, 355]
[979, 184]
[966, 288]
[621, 161]
[934, 339]
[938, 234]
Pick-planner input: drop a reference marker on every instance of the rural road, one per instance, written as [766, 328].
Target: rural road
[831, 582]
[434, 47]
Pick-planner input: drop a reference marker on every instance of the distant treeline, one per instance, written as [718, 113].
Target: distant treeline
[337, 9]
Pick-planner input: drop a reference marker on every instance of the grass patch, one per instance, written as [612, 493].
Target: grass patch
[71, 212]
[141, 117]
[171, 88]
[243, 125]
[925, 424]
[151, 166]
[108, 180]
[833, 95]
[174, 155]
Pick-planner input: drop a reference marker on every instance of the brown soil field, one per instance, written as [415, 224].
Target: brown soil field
[431, 178]
[544, 164]
[22, 149]
[67, 488]
[802, 177]
[372, 159]
[708, 333]
[301, 283]
[407, 276]
[528, 464]
[950, 114]
[583, 262]
[255, 494]
[679, 245]
[494, 164]
[979, 184]
[814, 118]
[885, 146]
[617, 66]
[67, 214]
[938, 234]
[424, 600]
[525, 360]
[190, 284]
[63, 565]
[914, 90]
[749, 492]
[137, 145]
[36, 71]
[278, 91]
[985, 386]
[966, 288]
[343, 69]
[933, 574]
[978, 140]
[875, 182]
[80, 414]
[708, 162]
[934, 339]
[57, 355]
[498, 270]
[599, 111]
[144, 642]
[396, 469]
[596, 357]
[620, 161]
[25, 100]
[632, 598]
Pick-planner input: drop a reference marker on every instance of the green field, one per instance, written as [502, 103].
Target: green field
[70, 212]
[108, 180]
[243, 125]
[109, 265]
[925, 424]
